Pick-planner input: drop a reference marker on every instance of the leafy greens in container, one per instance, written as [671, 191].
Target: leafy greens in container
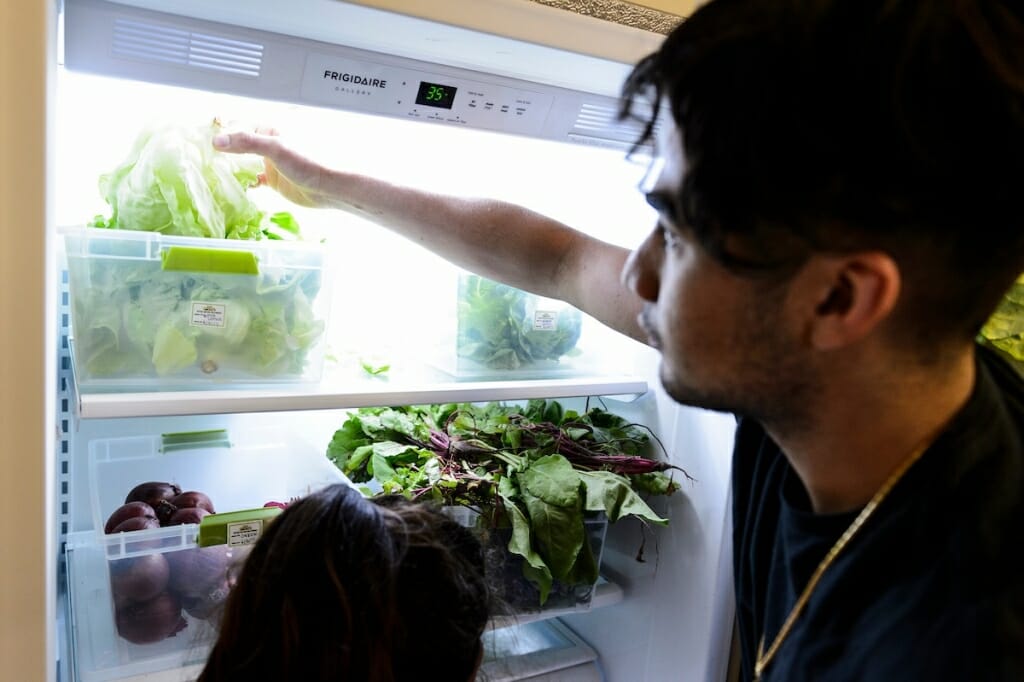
[132, 318]
[169, 289]
[537, 471]
[505, 328]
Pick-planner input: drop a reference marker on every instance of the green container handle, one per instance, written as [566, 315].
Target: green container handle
[199, 259]
[189, 440]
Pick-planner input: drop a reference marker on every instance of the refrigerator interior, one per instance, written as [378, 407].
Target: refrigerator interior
[666, 617]
[392, 301]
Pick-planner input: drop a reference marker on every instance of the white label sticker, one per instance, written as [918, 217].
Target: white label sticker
[244, 532]
[209, 314]
[545, 321]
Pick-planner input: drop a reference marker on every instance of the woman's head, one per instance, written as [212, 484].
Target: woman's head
[341, 587]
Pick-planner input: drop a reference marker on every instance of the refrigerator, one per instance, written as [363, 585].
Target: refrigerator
[528, 98]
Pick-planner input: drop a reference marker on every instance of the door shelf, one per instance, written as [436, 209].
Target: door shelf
[329, 395]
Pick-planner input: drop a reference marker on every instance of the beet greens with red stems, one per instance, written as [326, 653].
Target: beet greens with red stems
[538, 470]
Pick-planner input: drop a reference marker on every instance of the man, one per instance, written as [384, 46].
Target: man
[839, 214]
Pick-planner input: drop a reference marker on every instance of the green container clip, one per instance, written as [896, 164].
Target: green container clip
[237, 528]
[197, 259]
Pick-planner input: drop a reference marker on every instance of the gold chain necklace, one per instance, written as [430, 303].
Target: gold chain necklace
[765, 657]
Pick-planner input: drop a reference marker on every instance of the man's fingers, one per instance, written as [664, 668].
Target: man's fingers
[226, 141]
[260, 143]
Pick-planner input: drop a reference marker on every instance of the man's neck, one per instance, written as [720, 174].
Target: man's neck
[865, 426]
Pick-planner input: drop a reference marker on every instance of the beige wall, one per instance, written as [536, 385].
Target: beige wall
[678, 7]
[534, 21]
[27, 567]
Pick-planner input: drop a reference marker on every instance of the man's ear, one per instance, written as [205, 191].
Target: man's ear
[849, 296]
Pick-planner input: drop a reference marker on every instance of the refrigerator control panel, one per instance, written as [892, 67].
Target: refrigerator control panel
[336, 81]
[118, 40]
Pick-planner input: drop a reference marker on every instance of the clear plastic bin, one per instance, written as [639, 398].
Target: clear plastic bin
[151, 312]
[238, 470]
[148, 600]
[114, 637]
[512, 592]
[506, 334]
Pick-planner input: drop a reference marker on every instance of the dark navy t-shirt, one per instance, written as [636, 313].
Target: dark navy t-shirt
[931, 588]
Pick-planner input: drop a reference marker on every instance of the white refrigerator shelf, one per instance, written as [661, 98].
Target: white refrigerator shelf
[329, 395]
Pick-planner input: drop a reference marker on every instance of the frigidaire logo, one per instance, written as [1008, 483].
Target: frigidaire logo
[355, 78]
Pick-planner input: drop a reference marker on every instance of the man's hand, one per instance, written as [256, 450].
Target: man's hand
[295, 177]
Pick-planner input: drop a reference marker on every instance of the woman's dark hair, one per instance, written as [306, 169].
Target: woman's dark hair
[341, 587]
[839, 125]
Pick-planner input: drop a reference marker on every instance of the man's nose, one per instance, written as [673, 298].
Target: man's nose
[641, 270]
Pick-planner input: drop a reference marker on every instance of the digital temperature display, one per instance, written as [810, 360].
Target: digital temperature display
[435, 95]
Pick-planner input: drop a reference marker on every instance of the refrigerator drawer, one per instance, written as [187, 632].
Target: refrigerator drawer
[145, 601]
[115, 637]
[240, 469]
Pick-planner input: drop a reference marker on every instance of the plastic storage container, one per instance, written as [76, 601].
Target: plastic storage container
[146, 601]
[150, 311]
[501, 333]
[507, 333]
[513, 593]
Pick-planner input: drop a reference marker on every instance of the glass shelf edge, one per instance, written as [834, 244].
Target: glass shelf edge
[321, 397]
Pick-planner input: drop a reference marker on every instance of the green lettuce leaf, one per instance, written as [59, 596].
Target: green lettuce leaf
[173, 181]
[172, 349]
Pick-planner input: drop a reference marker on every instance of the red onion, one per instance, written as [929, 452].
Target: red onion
[150, 621]
[208, 603]
[195, 570]
[193, 498]
[135, 523]
[128, 511]
[139, 578]
[152, 492]
[186, 515]
[164, 511]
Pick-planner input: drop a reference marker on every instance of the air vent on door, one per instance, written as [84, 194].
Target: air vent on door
[601, 121]
[153, 42]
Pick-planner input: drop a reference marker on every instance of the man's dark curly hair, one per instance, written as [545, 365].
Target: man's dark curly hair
[840, 125]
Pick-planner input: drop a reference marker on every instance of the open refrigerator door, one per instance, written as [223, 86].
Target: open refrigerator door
[381, 322]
